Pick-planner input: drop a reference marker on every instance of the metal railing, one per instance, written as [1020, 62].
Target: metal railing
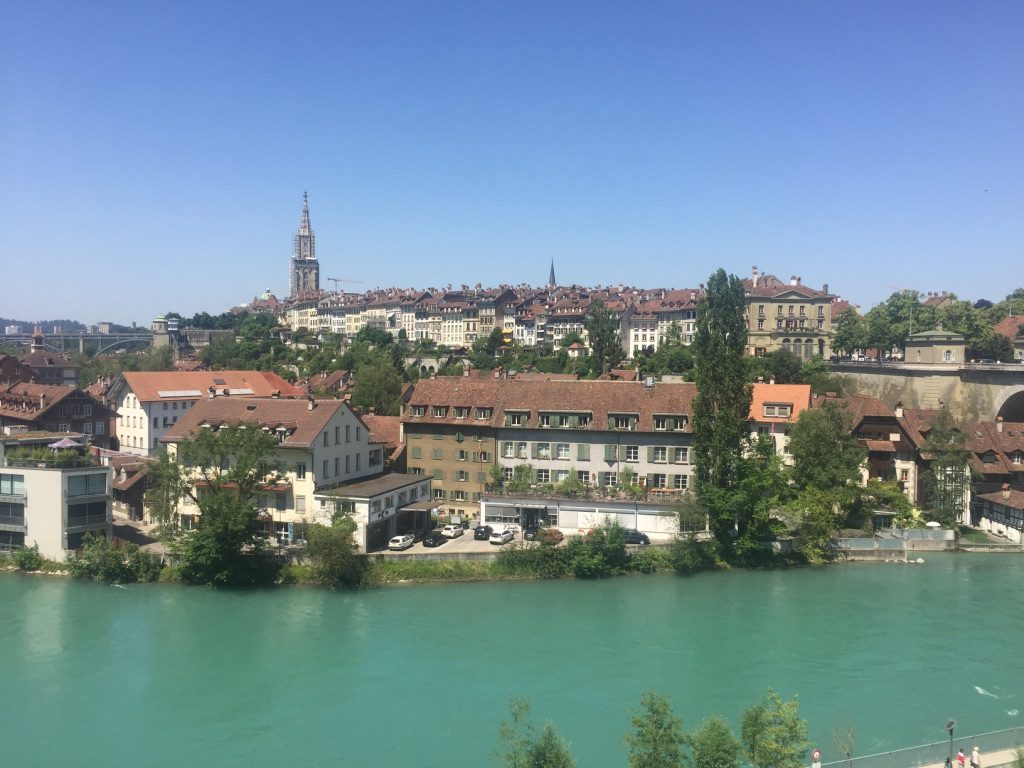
[937, 752]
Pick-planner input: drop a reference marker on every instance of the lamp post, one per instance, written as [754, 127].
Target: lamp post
[949, 727]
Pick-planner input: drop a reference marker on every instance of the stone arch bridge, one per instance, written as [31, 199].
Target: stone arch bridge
[973, 392]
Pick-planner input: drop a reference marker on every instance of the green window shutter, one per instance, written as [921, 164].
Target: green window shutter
[672, 423]
[417, 452]
[438, 453]
[534, 450]
[533, 476]
[583, 452]
[609, 453]
[650, 453]
[601, 478]
[574, 421]
[439, 474]
[671, 454]
[611, 423]
[622, 453]
[672, 481]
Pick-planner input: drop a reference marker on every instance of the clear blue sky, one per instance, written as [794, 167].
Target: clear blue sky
[153, 155]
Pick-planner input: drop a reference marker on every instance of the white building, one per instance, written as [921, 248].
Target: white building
[320, 444]
[51, 506]
[150, 403]
[381, 507]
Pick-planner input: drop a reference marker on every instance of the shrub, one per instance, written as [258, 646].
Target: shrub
[100, 560]
[690, 555]
[28, 558]
[650, 560]
[542, 562]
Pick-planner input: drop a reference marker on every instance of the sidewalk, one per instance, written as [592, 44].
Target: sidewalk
[993, 759]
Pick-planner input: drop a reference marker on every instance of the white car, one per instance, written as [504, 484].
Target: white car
[451, 531]
[502, 537]
[401, 542]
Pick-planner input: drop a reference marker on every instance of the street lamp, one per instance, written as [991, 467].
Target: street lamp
[949, 727]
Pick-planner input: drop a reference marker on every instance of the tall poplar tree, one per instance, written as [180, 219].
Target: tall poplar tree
[722, 404]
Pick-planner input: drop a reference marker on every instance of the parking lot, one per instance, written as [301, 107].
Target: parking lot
[463, 543]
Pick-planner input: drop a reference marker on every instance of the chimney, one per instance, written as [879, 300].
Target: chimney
[760, 379]
[42, 402]
[771, 380]
[1006, 491]
[999, 423]
[753, 275]
[310, 403]
[211, 392]
[824, 288]
[793, 280]
[899, 410]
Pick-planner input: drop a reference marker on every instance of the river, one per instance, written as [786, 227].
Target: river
[164, 675]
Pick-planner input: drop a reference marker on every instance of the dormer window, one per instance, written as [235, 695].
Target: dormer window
[419, 410]
[460, 412]
[483, 413]
[778, 410]
[439, 411]
[1017, 457]
[516, 418]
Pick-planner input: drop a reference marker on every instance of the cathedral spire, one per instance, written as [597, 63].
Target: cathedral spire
[551, 277]
[304, 275]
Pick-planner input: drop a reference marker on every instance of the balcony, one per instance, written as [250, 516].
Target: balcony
[87, 521]
[15, 523]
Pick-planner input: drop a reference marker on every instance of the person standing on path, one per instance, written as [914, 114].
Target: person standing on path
[975, 757]
[960, 758]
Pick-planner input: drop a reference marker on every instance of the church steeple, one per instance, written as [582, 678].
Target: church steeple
[304, 276]
[551, 277]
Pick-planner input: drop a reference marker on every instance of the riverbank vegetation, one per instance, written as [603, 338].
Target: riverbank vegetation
[772, 735]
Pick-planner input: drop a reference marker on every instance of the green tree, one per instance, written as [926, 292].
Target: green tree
[849, 332]
[826, 455]
[378, 387]
[375, 337]
[722, 404]
[713, 745]
[773, 734]
[948, 477]
[656, 740]
[890, 322]
[605, 344]
[220, 470]
[522, 478]
[334, 553]
[523, 747]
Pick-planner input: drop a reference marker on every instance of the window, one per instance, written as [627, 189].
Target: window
[680, 482]
[563, 420]
[508, 450]
[658, 481]
[460, 412]
[562, 451]
[337, 434]
[583, 475]
[507, 473]
[12, 485]
[438, 453]
[632, 453]
[543, 476]
[760, 325]
[544, 420]
[348, 464]
[439, 411]
[87, 485]
[515, 418]
[585, 419]
[156, 422]
[348, 433]
[543, 450]
[300, 471]
[359, 433]
[359, 461]
[439, 493]
[680, 455]
[462, 476]
[1017, 457]
[561, 475]
[461, 455]
[458, 496]
[325, 440]
[610, 479]
[778, 410]
[419, 410]
[417, 452]
[337, 465]
[661, 422]
[660, 455]
[485, 456]
[521, 450]
[483, 413]
[165, 406]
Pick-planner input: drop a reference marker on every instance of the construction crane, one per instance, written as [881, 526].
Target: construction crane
[337, 280]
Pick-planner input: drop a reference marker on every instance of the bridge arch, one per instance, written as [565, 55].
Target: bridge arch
[1012, 408]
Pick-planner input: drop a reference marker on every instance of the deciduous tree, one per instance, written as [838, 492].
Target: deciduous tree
[523, 747]
[605, 344]
[948, 477]
[713, 745]
[773, 734]
[656, 740]
[378, 387]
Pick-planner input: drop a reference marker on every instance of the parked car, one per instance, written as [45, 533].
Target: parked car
[483, 532]
[451, 531]
[637, 537]
[404, 541]
[434, 539]
[502, 537]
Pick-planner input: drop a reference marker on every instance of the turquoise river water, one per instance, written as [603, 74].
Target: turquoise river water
[162, 675]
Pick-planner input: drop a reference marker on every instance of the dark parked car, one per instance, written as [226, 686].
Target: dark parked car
[482, 532]
[636, 537]
[434, 539]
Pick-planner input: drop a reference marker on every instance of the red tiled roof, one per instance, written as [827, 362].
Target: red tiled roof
[1015, 498]
[798, 396]
[599, 398]
[304, 425]
[146, 385]
[1009, 326]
